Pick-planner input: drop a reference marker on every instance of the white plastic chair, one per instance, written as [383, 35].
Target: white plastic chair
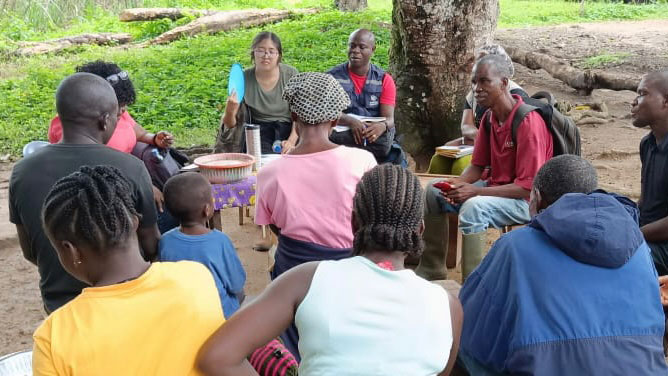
[33, 146]
[16, 364]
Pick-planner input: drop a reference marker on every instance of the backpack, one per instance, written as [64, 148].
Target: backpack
[565, 134]
[161, 164]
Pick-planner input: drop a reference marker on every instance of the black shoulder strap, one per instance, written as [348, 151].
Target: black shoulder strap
[487, 123]
[522, 111]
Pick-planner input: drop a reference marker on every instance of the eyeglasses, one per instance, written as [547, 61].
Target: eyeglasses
[262, 52]
[115, 78]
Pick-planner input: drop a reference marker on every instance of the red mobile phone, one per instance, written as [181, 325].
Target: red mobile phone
[444, 186]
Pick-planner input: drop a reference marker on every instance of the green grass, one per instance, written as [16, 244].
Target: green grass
[182, 86]
[603, 59]
[34, 23]
[522, 13]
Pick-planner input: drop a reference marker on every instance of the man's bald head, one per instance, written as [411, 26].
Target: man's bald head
[658, 81]
[650, 107]
[363, 35]
[87, 102]
[361, 46]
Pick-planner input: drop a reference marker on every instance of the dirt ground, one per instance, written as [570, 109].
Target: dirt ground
[612, 147]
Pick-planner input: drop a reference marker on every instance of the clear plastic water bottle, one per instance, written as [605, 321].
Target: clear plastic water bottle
[157, 155]
[276, 147]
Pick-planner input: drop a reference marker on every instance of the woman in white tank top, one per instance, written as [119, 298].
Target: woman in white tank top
[366, 315]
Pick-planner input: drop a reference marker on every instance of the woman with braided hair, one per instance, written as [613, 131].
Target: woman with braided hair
[124, 324]
[365, 315]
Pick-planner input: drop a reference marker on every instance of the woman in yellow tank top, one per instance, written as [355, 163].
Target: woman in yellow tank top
[136, 318]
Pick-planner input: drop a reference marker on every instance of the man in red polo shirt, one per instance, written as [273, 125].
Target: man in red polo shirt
[372, 93]
[502, 199]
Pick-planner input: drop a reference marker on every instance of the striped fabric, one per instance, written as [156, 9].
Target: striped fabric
[273, 359]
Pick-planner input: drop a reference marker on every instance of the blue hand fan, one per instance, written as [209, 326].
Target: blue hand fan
[236, 81]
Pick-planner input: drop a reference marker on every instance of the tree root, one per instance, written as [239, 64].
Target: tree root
[582, 80]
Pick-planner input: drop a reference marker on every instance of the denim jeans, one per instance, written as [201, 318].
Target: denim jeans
[166, 221]
[480, 212]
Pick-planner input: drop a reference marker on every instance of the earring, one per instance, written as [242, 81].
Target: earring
[78, 262]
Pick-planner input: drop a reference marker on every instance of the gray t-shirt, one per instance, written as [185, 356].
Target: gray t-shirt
[32, 179]
[267, 106]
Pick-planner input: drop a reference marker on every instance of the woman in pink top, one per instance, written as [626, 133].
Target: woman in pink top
[306, 196]
[127, 132]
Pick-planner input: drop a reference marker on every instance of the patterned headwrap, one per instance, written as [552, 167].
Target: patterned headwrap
[315, 97]
[496, 49]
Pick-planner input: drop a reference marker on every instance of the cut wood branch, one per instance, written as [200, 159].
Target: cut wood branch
[150, 14]
[583, 80]
[56, 45]
[223, 21]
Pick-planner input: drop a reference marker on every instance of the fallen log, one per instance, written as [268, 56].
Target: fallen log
[591, 121]
[150, 14]
[582, 80]
[55, 45]
[223, 21]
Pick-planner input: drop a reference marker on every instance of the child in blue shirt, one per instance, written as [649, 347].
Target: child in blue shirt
[188, 197]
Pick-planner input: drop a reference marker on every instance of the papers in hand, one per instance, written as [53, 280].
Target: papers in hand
[364, 119]
[341, 128]
[454, 151]
[367, 119]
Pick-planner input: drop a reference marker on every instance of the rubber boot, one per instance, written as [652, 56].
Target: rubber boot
[473, 246]
[432, 262]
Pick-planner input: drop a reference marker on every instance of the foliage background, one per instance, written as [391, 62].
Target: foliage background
[182, 86]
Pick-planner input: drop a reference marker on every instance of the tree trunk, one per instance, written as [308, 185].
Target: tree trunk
[431, 57]
[583, 80]
[150, 14]
[350, 5]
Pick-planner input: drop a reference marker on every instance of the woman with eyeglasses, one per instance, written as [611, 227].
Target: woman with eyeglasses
[127, 132]
[264, 84]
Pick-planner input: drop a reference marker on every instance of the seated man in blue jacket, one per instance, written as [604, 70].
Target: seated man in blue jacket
[372, 93]
[573, 293]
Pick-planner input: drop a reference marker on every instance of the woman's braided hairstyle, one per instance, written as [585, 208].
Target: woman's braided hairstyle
[93, 205]
[388, 208]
